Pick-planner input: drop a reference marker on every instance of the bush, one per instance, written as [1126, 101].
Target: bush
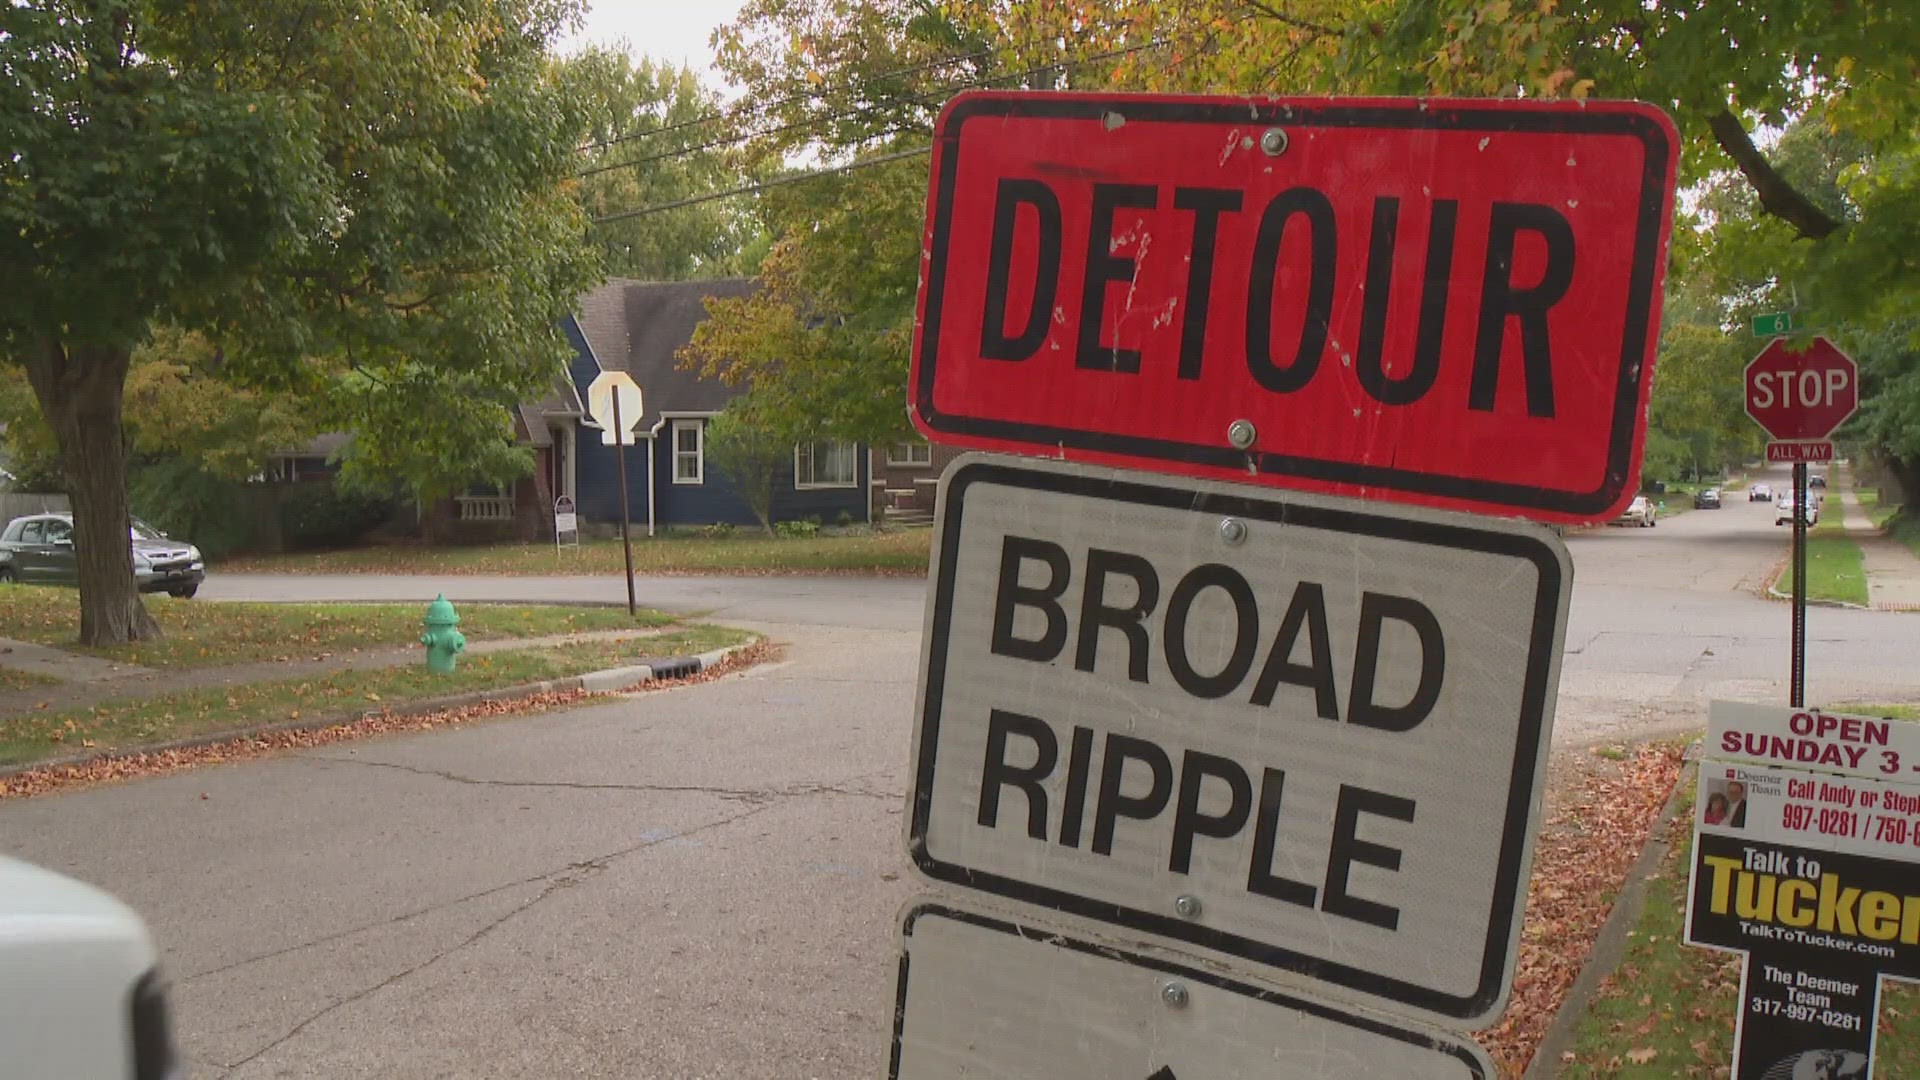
[320, 515]
[211, 513]
[794, 530]
[719, 530]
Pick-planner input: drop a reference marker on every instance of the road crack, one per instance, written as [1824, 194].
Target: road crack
[565, 877]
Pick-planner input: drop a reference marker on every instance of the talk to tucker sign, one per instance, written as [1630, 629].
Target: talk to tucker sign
[1806, 845]
[1440, 302]
[1280, 728]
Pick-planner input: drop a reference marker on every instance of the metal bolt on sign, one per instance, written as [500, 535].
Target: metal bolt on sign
[1187, 905]
[1175, 995]
[1233, 531]
[1241, 434]
[1274, 141]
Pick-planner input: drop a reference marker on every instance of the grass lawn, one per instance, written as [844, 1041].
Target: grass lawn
[12, 679]
[199, 632]
[889, 552]
[1668, 1010]
[1877, 511]
[132, 723]
[1834, 565]
[1905, 527]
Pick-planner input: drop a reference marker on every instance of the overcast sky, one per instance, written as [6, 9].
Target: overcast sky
[674, 30]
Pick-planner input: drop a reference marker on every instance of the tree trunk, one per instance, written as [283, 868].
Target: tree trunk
[80, 390]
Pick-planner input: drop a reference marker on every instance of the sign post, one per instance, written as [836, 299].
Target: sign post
[565, 523]
[1800, 397]
[1806, 840]
[614, 400]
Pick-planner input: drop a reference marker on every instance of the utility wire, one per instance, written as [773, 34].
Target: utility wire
[850, 113]
[736, 113]
[778, 181]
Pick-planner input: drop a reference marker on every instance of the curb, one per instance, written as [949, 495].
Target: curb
[593, 682]
[1610, 946]
[1776, 594]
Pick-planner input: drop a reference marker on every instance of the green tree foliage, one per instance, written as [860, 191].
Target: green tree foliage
[752, 456]
[649, 142]
[845, 78]
[374, 188]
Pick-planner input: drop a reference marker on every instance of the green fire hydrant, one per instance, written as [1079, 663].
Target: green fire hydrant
[443, 642]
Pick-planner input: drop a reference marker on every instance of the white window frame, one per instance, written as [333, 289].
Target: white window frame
[919, 455]
[814, 485]
[699, 452]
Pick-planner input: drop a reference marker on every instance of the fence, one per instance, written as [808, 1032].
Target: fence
[13, 504]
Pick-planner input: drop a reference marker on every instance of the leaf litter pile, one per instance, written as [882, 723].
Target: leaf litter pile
[116, 767]
[1599, 813]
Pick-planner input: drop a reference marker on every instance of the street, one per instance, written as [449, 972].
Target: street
[702, 882]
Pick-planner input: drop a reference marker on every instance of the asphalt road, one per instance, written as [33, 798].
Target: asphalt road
[702, 882]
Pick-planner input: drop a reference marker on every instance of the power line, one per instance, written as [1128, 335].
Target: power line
[778, 181]
[724, 114]
[845, 114]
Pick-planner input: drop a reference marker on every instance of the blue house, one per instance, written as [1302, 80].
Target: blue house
[639, 327]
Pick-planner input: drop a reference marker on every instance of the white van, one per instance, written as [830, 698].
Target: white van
[80, 993]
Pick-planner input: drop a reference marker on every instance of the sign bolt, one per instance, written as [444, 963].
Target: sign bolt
[1233, 531]
[1241, 434]
[1274, 141]
[1175, 995]
[1188, 905]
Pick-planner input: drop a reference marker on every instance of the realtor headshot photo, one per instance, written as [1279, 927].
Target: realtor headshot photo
[1725, 803]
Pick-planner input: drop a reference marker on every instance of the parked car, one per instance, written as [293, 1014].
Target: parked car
[1707, 499]
[1817, 480]
[1640, 512]
[80, 993]
[38, 550]
[1783, 511]
[1760, 493]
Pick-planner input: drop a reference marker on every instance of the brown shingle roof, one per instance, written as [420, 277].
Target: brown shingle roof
[639, 326]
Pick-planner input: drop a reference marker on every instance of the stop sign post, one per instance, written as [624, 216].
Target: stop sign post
[1800, 396]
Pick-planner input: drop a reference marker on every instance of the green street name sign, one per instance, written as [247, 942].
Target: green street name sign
[1773, 325]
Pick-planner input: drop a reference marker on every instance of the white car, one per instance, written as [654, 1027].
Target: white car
[1783, 511]
[80, 993]
[1640, 512]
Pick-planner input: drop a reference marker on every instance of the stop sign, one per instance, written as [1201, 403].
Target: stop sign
[1802, 395]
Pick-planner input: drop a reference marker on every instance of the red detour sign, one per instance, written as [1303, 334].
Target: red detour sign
[1440, 302]
[1802, 395]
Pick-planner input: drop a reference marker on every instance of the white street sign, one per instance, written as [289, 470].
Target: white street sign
[980, 996]
[600, 406]
[1301, 733]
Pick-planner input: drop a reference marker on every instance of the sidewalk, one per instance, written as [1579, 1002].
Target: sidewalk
[1893, 571]
[99, 681]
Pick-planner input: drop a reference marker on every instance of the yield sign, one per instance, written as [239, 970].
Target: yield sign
[1802, 395]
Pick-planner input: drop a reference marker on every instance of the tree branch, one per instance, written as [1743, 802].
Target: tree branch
[1291, 20]
[1777, 196]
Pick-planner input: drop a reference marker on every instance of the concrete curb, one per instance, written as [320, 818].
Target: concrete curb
[1610, 946]
[595, 682]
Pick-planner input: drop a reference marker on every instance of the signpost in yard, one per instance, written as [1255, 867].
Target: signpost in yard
[1211, 779]
[1800, 396]
[1806, 861]
[1438, 302]
[613, 399]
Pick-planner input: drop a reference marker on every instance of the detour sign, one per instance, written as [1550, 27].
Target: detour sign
[1442, 303]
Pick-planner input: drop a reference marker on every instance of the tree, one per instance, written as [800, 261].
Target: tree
[752, 455]
[378, 189]
[844, 78]
[651, 140]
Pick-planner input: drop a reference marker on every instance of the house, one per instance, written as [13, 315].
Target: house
[639, 327]
[906, 476]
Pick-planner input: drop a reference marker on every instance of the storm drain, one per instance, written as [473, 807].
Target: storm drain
[675, 668]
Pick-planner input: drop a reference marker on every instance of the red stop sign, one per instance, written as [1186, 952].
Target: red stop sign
[1802, 395]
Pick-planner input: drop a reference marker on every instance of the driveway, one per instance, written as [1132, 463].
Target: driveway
[702, 882]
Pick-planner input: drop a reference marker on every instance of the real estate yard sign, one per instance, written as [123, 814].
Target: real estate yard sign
[1806, 840]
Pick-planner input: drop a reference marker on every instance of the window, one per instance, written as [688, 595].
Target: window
[33, 532]
[689, 458]
[825, 465]
[911, 454]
